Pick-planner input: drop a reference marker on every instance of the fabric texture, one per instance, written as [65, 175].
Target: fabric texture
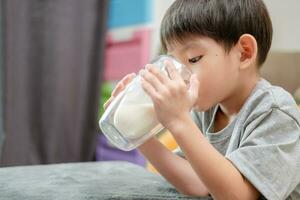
[53, 54]
[1, 87]
[85, 181]
[263, 141]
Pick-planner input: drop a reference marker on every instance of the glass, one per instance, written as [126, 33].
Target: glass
[130, 118]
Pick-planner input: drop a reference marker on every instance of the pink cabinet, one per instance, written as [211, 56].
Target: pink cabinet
[126, 56]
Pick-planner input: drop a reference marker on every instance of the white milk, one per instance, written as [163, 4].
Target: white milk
[135, 120]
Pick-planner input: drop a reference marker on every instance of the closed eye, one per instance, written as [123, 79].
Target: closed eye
[195, 59]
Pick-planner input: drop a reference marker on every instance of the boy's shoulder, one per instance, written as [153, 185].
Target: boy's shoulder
[266, 98]
[268, 124]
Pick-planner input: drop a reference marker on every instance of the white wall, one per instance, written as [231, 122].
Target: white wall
[285, 15]
[160, 7]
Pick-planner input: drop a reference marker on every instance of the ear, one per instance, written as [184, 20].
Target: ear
[248, 50]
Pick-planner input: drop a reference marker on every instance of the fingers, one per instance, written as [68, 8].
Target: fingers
[149, 89]
[128, 78]
[150, 78]
[119, 88]
[159, 75]
[172, 71]
[194, 88]
[154, 77]
[122, 84]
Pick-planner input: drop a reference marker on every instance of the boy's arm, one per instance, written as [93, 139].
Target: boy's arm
[219, 175]
[222, 179]
[174, 168]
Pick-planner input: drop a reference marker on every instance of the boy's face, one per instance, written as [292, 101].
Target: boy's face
[217, 70]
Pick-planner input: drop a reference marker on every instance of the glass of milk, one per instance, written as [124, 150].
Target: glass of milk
[130, 118]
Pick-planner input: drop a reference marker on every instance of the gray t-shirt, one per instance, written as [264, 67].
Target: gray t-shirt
[262, 141]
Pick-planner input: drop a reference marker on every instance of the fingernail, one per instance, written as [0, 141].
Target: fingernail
[142, 80]
[148, 67]
[121, 86]
[142, 72]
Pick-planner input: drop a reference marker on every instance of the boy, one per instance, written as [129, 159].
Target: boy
[242, 139]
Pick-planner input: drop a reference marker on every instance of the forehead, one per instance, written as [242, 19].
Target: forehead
[200, 43]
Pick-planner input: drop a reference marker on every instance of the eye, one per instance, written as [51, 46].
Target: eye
[195, 59]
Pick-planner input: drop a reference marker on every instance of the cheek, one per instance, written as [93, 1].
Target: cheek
[207, 76]
[207, 87]
[227, 69]
[231, 71]
[214, 80]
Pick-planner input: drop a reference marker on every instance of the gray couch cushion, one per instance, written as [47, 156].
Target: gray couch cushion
[81, 181]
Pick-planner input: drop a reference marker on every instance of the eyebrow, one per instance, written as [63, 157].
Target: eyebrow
[187, 46]
[191, 45]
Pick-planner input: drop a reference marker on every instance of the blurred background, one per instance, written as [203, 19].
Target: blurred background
[60, 60]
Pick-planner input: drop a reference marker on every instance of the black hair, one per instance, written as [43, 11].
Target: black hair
[225, 21]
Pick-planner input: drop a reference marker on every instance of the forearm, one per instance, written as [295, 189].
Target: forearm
[219, 175]
[174, 168]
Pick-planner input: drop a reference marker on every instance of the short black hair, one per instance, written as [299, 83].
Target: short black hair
[225, 21]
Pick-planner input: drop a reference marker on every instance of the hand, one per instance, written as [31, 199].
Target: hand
[171, 97]
[119, 88]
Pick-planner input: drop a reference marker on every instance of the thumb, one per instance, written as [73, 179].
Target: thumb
[194, 88]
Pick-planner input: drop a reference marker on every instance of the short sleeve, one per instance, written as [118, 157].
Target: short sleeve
[269, 154]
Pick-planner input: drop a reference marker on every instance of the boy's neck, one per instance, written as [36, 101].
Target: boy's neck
[231, 106]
